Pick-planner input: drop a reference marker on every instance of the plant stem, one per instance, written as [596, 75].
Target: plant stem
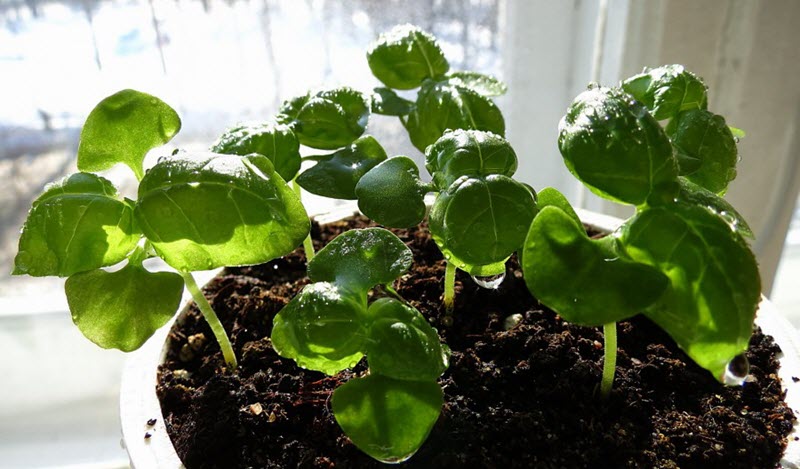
[308, 244]
[211, 318]
[390, 290]
[609, 358]
[449, 286]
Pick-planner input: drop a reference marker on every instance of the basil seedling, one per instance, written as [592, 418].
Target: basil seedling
[406, 58]
[682, 259]
[196, 211]
[328, 327]
[480, 215]
[328, 120]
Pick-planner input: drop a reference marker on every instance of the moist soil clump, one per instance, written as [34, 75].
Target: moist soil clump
[522, 389]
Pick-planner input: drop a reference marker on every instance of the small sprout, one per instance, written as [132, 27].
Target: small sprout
[480, 215]
[197, 211]
[682, 259]
[329, 327]
[327, 119]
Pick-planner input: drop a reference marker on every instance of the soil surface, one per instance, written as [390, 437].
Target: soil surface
[523, 397]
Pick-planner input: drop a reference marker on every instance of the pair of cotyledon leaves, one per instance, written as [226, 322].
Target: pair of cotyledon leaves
[329, 327]
[682, 258]
[480, 216]
[329, 119]
[197, 211]
[406, 58]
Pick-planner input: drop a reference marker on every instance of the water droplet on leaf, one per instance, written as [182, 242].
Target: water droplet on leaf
[737, 370]
[490, 282]
[396, 460]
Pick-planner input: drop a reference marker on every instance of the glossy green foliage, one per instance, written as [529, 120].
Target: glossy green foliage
[402, 344]
[323, 328]
[481, 220]
[275, 141]
[206, 210]
[386, 418]
[667, 91]
[715, 286]
[705, 149]
[327, 119]
[614, 146]
[386, 102]
[442, 105]
[337, 174]
[586, 281]
[697, 195]
[392, 193]
[405, 56]
[77, 224]
[328, 327]
[122, 309]
[486, 85]
[122, 128]
[469, 153]
[682, 227]
[361, 259]
[552, 197]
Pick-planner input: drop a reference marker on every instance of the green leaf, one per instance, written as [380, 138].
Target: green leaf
[585, 281]
[402, 344]
[328, 119]
[77, 224]
[122, 309]
[361, 259]
[275, 141]
[337, 174]
[205, 210]
[392, 193]
[737, 133]
[667, 91]
[405, 56]
[485, 85]
[612, 144]
[441, 106]
[715, 286]
[481, 221]
[386, 102]
[469, 153]
[549, 196]
[697, 195]
[322, 328]
[387, 419]
[705, 148]
[122, 128]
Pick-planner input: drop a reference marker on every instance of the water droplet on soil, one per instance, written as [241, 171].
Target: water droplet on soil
[512, 321]
[490, 282]
[737, 370]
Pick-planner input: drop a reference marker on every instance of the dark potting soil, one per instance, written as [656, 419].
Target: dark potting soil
[524, 397]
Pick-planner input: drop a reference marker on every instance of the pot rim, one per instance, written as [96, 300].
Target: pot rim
[139, 403]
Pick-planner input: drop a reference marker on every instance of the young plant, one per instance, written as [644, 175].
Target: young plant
[480, 215]
[196, 211]
[682, 259]
[389, 412]
[329, 119]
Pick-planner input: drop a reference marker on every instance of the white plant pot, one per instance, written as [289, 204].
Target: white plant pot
[139, 403]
